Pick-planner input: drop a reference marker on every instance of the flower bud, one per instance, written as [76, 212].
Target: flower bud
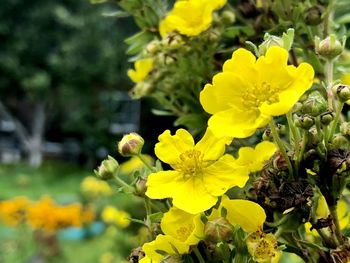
[263, 247]
[218, 230]
[228, 17]
[305, 122]
[327, 118]
[342, 92]
[172, 41]
[107, 169]
[267, 136]
[313, 15]
[141, 89]
[314, 105]
[285, 41]
[340, 142]
[140, 186]
[131, 144]
[153, 47]
[345, 128]
[314, 138]
[329, 48]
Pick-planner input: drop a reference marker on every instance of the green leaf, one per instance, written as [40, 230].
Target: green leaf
[118, 14]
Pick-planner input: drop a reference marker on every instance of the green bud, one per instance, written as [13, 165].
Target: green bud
[345, 128]
[297, 107]
[107, 169]
[314, 137]
[218, 230]
[153, 47]
[314, 105]
[342, 92]
[131, 144]
[140, 187]
[285, 41]
[305, 122]
[281, 129]
[327, 118]
[267, 136]
[340, 142]
[329, 48]
[141, 89]
[313, 15]
[228, 17]
[172, 41]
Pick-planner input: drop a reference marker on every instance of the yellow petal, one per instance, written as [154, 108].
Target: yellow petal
[342, 208]
[212, 147]
[240, 212]
[192, 196]
[163, 184]
[170, 147]
[185, 227]
[166, 244]
[322, 208]
[224, 174]
[242, 61]
[226, 91]
[286, 101]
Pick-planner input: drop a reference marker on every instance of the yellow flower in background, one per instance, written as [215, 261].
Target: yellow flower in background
[255, 158]
[249, 215]
[190, 17]
[142, 68]
[185, 227]
[48, 216]
[202, 172]
[322, 211]
[134, 163]
[250, 91]
[12, 212]
[112, 215]
[94, 187]
[164, 243]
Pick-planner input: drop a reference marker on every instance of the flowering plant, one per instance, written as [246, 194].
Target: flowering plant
[268, 176]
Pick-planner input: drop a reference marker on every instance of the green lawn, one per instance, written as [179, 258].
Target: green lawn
[62, 182]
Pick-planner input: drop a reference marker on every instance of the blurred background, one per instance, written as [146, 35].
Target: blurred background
[63, 107]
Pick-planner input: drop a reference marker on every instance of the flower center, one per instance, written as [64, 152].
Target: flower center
[184, 232]
[257, 95]
[191, 163]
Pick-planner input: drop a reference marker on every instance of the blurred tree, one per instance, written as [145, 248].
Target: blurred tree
[56, 56]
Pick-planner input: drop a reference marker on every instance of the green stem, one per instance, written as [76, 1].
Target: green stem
[148, 206]
[140, 156]
[329, 82]
[294, 132]
[198, 255]
[335, 121]
[281, 146]
[122, 183]
[303, 146]
[334, 214]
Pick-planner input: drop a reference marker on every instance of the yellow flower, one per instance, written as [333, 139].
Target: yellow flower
[164, 243]
[94, 187]
[202, 172]
[255, 159]
[142, 68]
[181, 230]
[12, 212]
[48, 216]
[112, 215]
[263, 247]
[239, 212]
[250, 91]
[185, 227]
[134, 163]
[199, 20]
